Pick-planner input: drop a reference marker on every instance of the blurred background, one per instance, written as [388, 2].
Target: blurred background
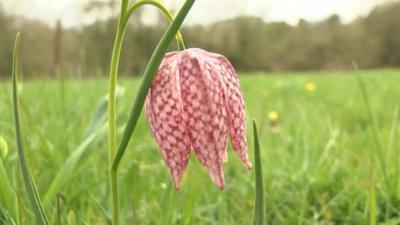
[329, 137]
[75, 37]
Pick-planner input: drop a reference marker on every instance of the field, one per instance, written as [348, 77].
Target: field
[327, 158]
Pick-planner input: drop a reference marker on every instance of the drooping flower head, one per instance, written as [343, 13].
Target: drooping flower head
[195, 103]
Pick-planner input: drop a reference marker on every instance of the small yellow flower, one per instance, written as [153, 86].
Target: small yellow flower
[273, 115]
[3, 147]
[310, 86]
[279, 83]
[265, 93]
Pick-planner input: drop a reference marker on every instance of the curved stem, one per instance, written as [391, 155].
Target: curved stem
[148, 76]
[151, 69]
[179, 40]
[112, 137]
[112, 85]
[124, 6]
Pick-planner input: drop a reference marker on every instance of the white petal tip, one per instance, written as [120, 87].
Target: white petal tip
[249, 165]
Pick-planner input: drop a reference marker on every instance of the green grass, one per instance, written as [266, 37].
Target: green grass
[320, 160]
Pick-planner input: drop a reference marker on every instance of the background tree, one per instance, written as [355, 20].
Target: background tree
[250, 43]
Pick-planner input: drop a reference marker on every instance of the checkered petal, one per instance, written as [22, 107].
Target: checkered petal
[163, 108]
[204, 113]
[195, 102]
[235, 107]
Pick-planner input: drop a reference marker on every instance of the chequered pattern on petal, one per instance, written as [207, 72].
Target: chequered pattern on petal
[194, 102]
[164, 111]
[234, 102]
[209, 68]
[235, 108]
[205, 114]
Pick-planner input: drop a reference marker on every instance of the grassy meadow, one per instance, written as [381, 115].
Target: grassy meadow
[330, 156]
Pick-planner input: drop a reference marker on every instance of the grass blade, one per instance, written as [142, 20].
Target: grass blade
[259, 198]
[372, 207]
[7, 193]
[41, 218]
[99, 116]
[381, 161]
[67, 171]
[4, 217]
[378, 145]
[94, 130]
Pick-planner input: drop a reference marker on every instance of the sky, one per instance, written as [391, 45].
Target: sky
[204, 11]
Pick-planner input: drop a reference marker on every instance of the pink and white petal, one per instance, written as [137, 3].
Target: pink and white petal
[209, 68]
[163, 108]
[235, 107]
[204, 114]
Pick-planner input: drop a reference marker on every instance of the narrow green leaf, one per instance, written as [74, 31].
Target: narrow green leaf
[94, 130]
[372, 201]
[3, 147]
[99, 116]
[7, 193]
[259, 198]
[40, 216]
[391, 222]
[67, 170]
[35, 129]
[374, 131]
[378, 151]
[148, 75]
[71, 218]
[59, 202]
[4, 217]
[189, 208]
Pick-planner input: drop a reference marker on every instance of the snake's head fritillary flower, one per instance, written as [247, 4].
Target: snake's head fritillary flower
[195, 103]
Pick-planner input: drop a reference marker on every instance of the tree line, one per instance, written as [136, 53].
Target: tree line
[372, 41]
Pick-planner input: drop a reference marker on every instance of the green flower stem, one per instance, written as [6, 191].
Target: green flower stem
[151, 69]
[148, 76]
[165, 11]
[122, 24]
[112, 136]
[112, 86]
[124, 6]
